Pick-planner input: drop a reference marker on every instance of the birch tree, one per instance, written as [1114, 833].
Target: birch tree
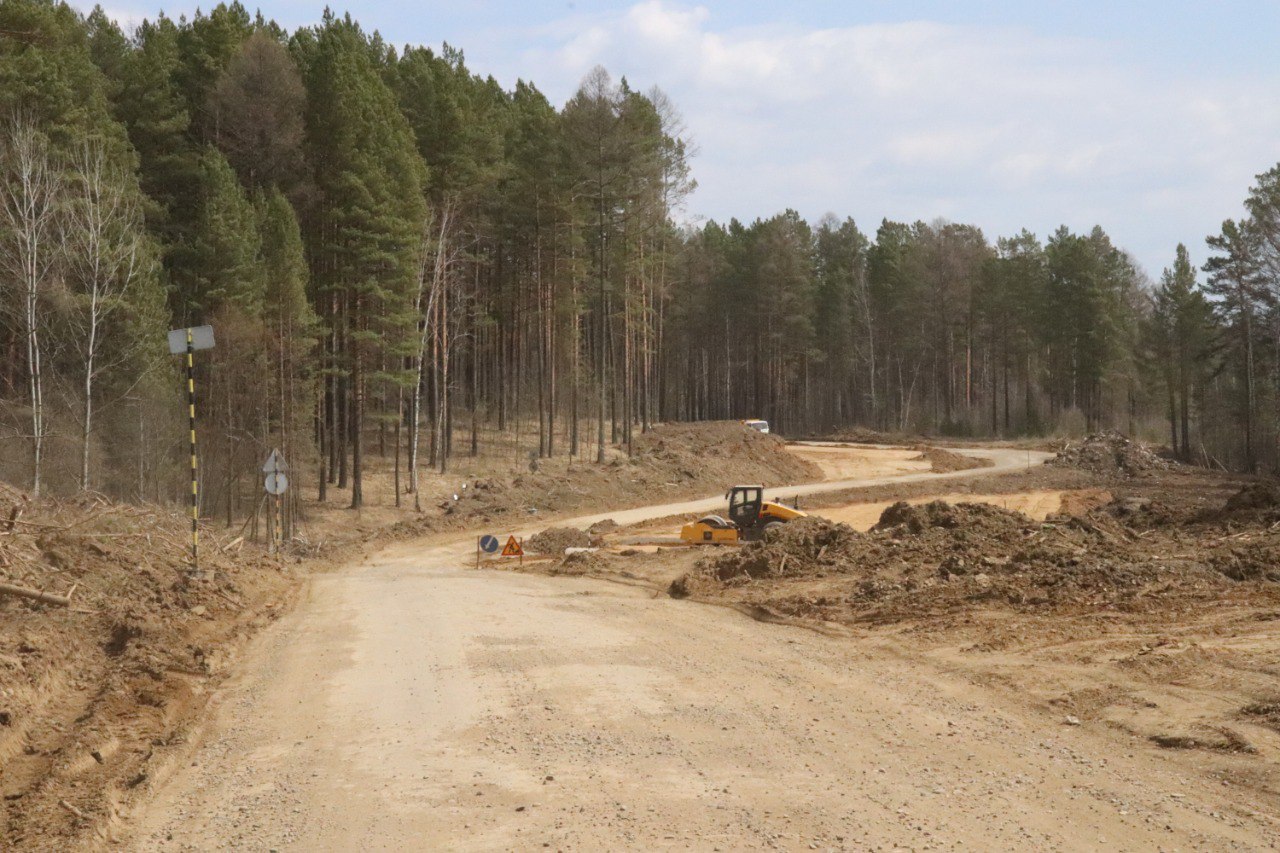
[30, 193]
[105, 257]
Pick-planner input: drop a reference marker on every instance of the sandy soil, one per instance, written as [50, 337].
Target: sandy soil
[859, 461]
[1038, 504]
[92, 694]
[412, 703]
[416, 705]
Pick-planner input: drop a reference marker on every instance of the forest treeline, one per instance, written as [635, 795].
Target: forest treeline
[400, 256]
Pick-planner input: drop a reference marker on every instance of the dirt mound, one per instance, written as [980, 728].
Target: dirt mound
[943, 461]
[938, 558]
[799, 548]
[1109, 454]
[1143, 513]
[940, 514]
[1083, 501]
[93, 694]
[1254, 496]
[580, 563]
[670, 461]
[1249, 562]
[727, 450]
[607, 525]
[862, 435]
[554, 540]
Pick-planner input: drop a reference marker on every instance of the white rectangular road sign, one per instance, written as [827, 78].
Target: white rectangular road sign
[201, 338]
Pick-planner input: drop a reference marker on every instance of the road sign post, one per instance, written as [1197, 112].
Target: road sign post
[187, 341]
[276, 483]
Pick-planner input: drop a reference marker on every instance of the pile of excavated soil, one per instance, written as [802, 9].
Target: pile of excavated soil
[1264, 495]
[1082, 501]
[670, 462]
[726, 450]
[938, 557]
[943, 461]
[1109, 454]
[554, 540]
[93, 696]
[862, 435]
[919, 518]
[794, 550]
[581, 563]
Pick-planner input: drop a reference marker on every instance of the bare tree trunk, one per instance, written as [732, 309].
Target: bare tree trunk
[399, 419]
[30, 188]
[426, 314]
[357, 409]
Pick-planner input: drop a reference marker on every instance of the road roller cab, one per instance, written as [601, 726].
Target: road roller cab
[750, 517]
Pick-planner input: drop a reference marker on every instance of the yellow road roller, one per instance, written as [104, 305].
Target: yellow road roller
[750, 517]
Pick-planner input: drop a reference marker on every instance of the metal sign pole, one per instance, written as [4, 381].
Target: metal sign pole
[195, 465]
[187, 341]
[276, 484]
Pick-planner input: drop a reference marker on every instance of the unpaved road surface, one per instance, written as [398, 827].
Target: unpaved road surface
[843, 462]
[411, 703]
[1003, 460]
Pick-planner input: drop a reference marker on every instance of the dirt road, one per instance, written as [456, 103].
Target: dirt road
[1003, 460]
[411, 703]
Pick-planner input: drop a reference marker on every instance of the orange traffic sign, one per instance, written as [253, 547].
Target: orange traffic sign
[512, 548]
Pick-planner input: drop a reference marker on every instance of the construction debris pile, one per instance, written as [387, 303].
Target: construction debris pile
[1260, 496]
[937, 558]
[1109, 454]
[554, 540]
[112, 653]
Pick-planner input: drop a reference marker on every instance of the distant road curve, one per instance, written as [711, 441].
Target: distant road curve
[1003, 460]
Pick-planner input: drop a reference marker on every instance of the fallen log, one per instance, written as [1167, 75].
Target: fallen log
[35, 595]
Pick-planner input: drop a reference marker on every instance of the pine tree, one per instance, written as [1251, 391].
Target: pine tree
[598, 149]
[223, 270]
[1182, 319]
[291, 327]
[206, 47]
[1235, 278]
[367, 226]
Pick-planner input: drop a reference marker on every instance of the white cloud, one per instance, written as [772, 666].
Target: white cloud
[997, 126]
[128, 18]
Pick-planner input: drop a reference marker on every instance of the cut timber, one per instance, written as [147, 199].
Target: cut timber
[35, 595]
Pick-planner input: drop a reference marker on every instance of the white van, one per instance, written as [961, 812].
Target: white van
[758, 426]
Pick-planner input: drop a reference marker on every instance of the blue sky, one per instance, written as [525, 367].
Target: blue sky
[1149, 118]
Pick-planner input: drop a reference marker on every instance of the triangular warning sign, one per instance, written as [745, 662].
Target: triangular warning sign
[512, 548]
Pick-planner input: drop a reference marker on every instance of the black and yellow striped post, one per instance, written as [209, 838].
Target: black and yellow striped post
[195, 464]
[186, 342]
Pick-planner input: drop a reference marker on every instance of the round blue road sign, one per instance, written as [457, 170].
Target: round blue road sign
[488, 544]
